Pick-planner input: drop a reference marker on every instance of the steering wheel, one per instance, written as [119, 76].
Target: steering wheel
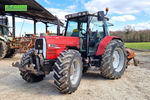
[82, 32]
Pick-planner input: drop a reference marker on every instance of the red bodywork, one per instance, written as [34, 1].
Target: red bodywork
[62, 42]
[104, 43]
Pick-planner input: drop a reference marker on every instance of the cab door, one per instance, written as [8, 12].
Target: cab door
[96, 34]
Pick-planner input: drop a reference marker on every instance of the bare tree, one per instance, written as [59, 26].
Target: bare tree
[129, 29]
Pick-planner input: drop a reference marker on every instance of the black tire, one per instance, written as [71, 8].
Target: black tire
[109, 67]
[10, 53]
[25, 61]
[3, 49]
[62, 71]
[30, 78]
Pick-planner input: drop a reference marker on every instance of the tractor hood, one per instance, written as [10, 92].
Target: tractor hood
[62, 41]
[57, 44]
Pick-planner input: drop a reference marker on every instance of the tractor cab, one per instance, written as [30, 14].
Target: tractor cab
[4, 31]
[3, 25]
[5, 34]
[90, 28]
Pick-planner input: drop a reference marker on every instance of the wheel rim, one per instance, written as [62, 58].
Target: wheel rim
[118, 59]
[74, 72]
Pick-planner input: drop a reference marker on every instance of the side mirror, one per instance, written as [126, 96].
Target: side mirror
[107, 18]
[101, 16]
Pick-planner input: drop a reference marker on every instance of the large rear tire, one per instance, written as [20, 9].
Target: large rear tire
[3, 49]
[25, 61]
[114, 60]
[68, 71]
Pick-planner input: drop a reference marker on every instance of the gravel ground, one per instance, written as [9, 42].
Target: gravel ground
[133, 85]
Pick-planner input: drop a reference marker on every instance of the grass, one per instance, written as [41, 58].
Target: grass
[138, 45]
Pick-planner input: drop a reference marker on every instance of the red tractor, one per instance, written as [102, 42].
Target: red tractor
[86, 43]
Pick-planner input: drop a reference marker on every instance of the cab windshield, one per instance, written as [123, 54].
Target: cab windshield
[77, 27]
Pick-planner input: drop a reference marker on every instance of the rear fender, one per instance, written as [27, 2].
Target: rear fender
[103, 44]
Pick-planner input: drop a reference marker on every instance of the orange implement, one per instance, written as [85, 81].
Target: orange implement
[131, 55]
[23, 43]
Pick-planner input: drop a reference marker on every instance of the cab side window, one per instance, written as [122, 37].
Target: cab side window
[96, 27]
[97, 33]
[72, 27]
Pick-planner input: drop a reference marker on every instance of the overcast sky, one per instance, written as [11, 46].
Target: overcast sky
[121, 12]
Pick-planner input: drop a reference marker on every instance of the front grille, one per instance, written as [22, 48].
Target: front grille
[39, 44]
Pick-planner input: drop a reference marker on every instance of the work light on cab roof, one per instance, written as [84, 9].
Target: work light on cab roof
[77, 14]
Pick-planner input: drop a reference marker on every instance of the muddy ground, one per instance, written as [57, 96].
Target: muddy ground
[133, 85]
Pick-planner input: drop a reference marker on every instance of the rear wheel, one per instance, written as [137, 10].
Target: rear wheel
[68, 71]
[114, 60]
[3, 49]
[25, 61]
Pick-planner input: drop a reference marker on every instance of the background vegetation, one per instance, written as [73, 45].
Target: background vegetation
[138, 45]
[134, 39]
[130, 35]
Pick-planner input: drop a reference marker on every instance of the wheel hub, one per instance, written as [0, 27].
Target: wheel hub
[118, 60]
[74, 72]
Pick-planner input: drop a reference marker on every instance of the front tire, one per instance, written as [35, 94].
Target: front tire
[3, 49]
[31, 78]
[25, 61]
[68, 71]
[114, 60]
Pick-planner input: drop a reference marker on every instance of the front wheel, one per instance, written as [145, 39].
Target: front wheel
[68, 71]
[114, 60]
[25, 62]
[3, 49]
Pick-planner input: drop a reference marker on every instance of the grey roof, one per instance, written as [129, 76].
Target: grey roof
[35, 11]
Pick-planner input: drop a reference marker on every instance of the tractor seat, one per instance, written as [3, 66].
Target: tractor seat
[75, 33]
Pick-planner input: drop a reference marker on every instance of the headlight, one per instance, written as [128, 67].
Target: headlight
[44, 48]
[40, 44]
